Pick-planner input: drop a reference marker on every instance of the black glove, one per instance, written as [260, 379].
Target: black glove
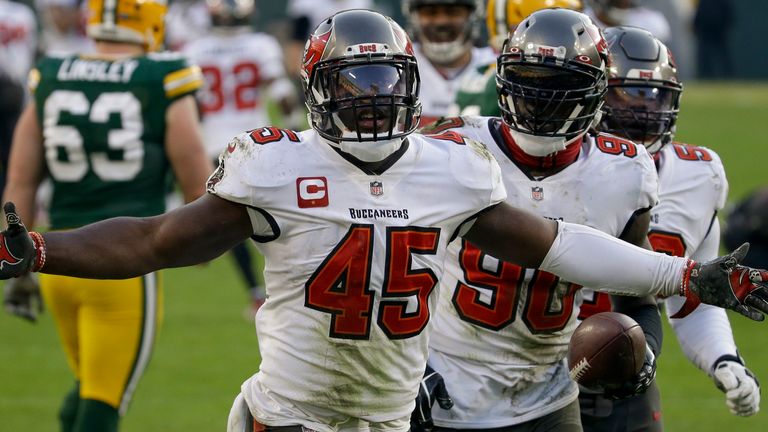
[640, 383]
[723, 282]
[431, 389]
[21, 297]
[17, 250]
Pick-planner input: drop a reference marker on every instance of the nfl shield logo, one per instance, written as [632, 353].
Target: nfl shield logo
[376, 188]
[537, 193]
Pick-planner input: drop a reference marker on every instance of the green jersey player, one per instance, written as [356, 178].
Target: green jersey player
[107, 129]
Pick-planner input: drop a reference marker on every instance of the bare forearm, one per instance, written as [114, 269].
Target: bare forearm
[112, 249]
[128, 247]
[527, 237]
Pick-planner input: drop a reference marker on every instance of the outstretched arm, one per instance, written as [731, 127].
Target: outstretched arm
[128, 247]
[591, 258]
[513, 235]
[577, 253]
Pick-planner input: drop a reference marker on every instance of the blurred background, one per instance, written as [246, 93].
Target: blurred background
[206, 348]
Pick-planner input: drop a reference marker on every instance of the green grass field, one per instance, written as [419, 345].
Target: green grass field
[206, 349]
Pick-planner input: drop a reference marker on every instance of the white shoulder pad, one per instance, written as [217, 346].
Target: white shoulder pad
[649, 191]
[627, 158]
[719, 179]
[260, 158]
[704, 166]
[473, 165]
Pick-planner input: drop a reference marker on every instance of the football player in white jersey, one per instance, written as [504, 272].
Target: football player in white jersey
[609, 13]
[501, 334]
[642, 104]
[354, 217]
[445, 31]
[242, 70]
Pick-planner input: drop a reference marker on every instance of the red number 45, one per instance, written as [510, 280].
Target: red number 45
[341, 285]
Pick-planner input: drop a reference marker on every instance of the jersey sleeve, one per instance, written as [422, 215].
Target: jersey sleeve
[180, 78]
[705, 334]
[720, 180]
[649, 183]
[236, 179]
[482, 173]
[270, 58]
[43, 72]
[33, 80]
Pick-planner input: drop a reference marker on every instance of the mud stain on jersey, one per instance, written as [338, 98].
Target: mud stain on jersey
[361, 375]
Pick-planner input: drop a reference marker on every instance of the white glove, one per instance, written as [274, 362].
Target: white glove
[741, 388]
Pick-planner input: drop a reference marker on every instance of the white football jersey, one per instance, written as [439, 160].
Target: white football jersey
[351, 261]
[641, 17]
[237, 67]
[438, 92]
[508, 327]
[18, 40]
[692, 189]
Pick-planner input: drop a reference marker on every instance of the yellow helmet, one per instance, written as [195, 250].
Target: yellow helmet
[504, 15]
[132, 21]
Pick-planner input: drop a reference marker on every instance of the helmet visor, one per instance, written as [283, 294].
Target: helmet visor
[368, 102]
[643, 114]
[369, 80]
[651, 99]
[546, 100]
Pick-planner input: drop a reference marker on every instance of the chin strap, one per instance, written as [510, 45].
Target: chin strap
[552, 161]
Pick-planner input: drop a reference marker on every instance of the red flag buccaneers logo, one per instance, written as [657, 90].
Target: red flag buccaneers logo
[6, 257]
[313, 52]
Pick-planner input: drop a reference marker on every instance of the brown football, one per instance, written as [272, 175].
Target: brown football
[606, 350]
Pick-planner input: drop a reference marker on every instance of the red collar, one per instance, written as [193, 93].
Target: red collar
[552, 161]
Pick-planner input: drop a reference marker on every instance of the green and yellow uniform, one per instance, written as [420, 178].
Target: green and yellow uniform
[104, 123]
[104, 126]
[477, 94]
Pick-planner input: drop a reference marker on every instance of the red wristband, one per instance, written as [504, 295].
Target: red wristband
[39, 242]
[692, 300]
[686, 280]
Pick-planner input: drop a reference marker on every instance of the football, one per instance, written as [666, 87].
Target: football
[606, 351]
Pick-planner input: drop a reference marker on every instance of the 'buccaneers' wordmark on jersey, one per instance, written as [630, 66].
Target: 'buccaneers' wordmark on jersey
[352, 260]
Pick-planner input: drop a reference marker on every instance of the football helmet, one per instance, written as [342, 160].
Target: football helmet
[444, 42]
[643, 96]
[551, 78]
[503, 16]
[231, 13]
[361, 83]
[131, 21]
